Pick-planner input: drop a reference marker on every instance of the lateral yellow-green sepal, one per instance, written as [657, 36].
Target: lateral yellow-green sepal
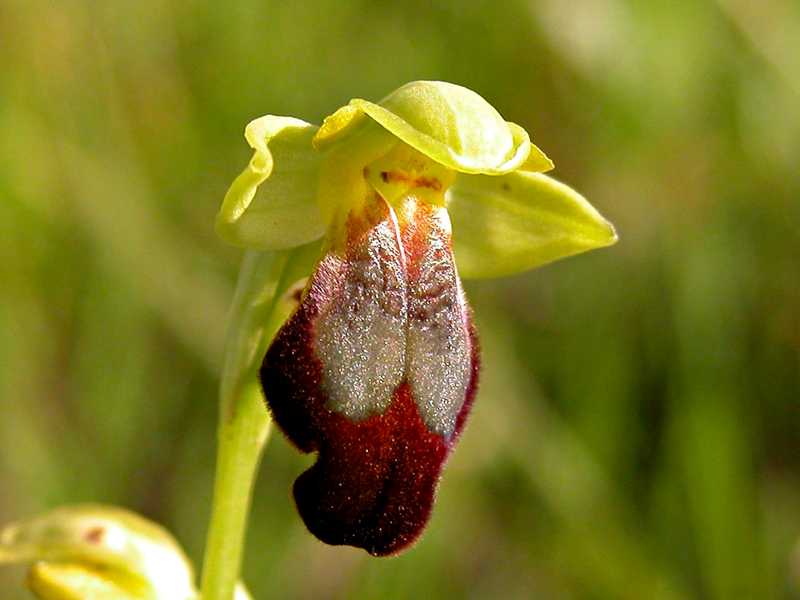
[272, 204]
[515, 222]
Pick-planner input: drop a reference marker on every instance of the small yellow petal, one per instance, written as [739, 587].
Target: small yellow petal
[272, 204]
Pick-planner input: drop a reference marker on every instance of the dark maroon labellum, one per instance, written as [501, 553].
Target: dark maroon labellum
[376, 371]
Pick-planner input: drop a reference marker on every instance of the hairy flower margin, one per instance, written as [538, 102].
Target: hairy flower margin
[375, 361]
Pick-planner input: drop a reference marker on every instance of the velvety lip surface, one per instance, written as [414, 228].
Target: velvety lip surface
[380, 457]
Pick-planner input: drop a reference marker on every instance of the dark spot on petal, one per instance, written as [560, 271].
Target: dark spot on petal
[506, 187]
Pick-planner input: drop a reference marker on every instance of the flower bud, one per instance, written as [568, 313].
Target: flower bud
[98, 552]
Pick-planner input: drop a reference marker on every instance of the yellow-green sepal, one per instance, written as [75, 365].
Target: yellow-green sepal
[450, 124]
[515, 222]
[272, 204]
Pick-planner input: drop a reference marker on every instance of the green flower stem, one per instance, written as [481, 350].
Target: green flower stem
[242, 438]
[260, 305]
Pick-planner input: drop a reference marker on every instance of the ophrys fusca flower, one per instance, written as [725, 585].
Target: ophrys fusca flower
[377, 367]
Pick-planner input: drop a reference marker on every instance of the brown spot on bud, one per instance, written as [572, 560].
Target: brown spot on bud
[95, 535]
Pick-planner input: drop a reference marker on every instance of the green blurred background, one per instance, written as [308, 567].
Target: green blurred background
[636, 432]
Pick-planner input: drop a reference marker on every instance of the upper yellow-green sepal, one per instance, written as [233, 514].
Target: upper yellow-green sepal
[272, 204]
[515, 222]
[450, 124]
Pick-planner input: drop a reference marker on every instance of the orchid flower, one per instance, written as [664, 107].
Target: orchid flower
[376, 368]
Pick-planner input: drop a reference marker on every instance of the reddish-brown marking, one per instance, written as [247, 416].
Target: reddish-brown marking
[400, 177]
